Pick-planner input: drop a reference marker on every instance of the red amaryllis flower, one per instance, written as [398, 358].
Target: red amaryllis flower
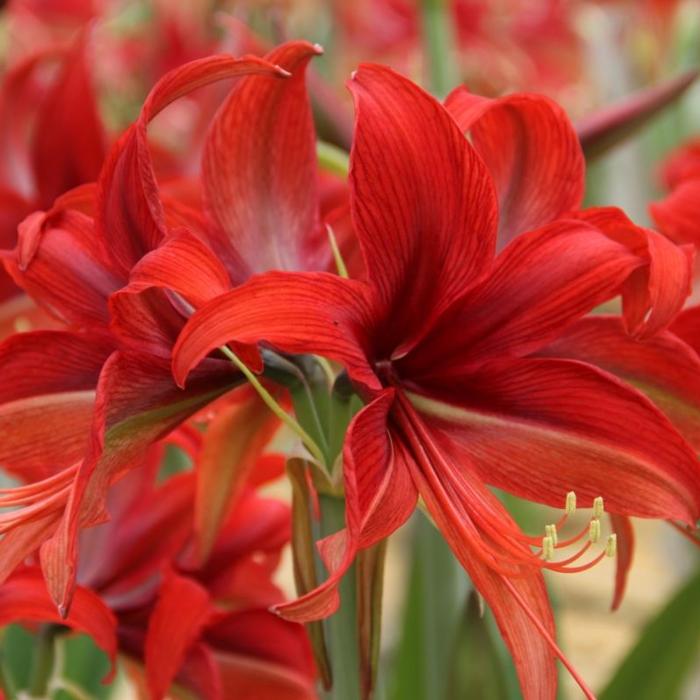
[101, 394]
[203, 623]
[440, 341]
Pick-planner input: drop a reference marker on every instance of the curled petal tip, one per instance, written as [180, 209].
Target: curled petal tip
[319, 49]
[282, 71]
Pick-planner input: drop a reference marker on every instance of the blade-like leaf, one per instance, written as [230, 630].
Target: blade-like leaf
[604, 129]
[659, 662]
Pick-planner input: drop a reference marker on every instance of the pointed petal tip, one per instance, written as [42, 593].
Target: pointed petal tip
[318, 49]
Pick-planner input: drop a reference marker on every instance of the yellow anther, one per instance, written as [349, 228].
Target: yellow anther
[547, 548]
[570, 506]
[594, 530]
[551, 531]
[598, 507]
[611, 546]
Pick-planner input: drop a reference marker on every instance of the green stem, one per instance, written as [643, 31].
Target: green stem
[438, 39]
[341, 628]
[436, 593]
[270, 402]
[43, 661]
[332, 159]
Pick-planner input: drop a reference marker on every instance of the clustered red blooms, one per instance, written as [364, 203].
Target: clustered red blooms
[464, 324]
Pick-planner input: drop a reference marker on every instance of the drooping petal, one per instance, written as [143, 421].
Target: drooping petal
[466, 513]
[183, 264]
[543, 281]
[137, 404]
[234, 441]
[543, 427]
[663, 367]
[69, 144]
[24, 598]
[532, 151]
[379, 498]
[379, 493]
[130, 214]
[176, 623]
[296, 313]
[622, 527]
[656, 292]
[677, 215]
[47, 398]
[260, 172]
[423, 202]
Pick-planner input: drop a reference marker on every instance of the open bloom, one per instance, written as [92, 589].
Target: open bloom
[106, 393]
[175, 617]
[441, 341]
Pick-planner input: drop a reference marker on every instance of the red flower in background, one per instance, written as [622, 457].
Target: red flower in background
[441, 342]
[201, 622]
[49, 147]
[678, 214]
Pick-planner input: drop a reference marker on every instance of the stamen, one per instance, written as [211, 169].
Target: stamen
[598, 507]
[547, 548]
[611, 545]
[594, 530]
[570, 506]
[551, 531]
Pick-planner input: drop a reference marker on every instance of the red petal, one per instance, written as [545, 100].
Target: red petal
[47, 398]
[423, 202]
[234, 441]
[260, 172]
[24, 598]
[379, 493]
[244, 678]
[543, 281]
[131, 214]
[622, 527]
[543, 427]
[69, 143]
[663, 367]
[297, 313]
[656, 292]
[137, 404]
[261, 635]
[677, 215]
[682, 164]
[61, 264]
[532, 151]
[147, 321]
[687, 327]
[465, 511]
[119, 556]
[379, 498]
[177, 621]
[183, 264]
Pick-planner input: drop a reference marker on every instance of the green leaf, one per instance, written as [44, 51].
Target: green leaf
[659, 662]
[436, 595]
[477, 667]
